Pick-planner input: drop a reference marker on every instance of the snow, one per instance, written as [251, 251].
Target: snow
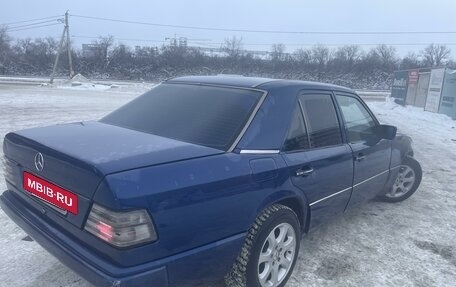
[79, 82]
[377, 244]
[62, 82]
[84, 86]
[404, 244]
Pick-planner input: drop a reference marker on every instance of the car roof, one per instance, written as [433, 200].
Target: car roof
[254, 82]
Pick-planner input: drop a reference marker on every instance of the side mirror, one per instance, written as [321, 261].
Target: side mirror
[386, 131]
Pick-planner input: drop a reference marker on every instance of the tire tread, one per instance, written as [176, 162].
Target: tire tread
[414, 164]
[237, 276]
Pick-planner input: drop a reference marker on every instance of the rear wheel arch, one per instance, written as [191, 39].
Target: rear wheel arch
[297, 203]
[244, 271]
[302, 211]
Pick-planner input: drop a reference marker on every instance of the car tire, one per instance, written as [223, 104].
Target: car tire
[275, 235]
[406, 183]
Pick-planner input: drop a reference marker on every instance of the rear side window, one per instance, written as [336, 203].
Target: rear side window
[297, 136]
[203, 115]
[321, 120]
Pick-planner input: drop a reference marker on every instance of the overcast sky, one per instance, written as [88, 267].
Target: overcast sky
[286, 15]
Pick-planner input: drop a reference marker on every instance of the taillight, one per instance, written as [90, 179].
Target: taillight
[121, 229]
[7, 169]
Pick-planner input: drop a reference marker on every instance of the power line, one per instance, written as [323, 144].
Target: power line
[34, 27]
[121, 39]
[31, 20]
[140, 40]
[339, 44]
[270, 44]
[33, 24]
[263, 31]
[350, 44]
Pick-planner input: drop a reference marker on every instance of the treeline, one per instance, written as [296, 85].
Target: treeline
[348, 65]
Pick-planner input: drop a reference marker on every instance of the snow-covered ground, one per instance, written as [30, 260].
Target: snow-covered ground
[36, 81]
[378, 244]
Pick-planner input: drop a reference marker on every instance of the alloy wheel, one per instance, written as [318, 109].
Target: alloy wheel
[404, 182]
[277, 255]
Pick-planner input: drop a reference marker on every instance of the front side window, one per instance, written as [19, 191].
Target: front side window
[358, 122]
[321, 120]
[203, 115]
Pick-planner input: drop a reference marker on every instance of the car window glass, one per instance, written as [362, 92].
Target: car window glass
[321, 120]
[297, 137]
[358, 122]
[203, 115]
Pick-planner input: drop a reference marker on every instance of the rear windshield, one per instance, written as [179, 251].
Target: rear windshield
[203, 115]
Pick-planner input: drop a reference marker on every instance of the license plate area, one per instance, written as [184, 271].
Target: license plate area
[50, 193]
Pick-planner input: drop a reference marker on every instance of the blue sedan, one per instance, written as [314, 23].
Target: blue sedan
[202, 180]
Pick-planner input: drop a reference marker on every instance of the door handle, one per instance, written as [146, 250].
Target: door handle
[360, 157]
[304, 172]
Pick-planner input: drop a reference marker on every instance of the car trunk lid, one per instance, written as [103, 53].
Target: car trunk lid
[77, 156]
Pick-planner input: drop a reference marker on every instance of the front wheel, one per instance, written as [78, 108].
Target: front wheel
[270, 250]
[406, 183]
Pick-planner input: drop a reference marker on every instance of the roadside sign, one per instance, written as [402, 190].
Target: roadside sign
[435, 90]
[422, 89]
[399, 89]
[413, 76]
[448, 102]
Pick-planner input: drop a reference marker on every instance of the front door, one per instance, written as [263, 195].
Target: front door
[320, 164]
[371, 155]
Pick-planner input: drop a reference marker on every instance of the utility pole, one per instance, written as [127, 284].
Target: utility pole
[70, 61]
[66, 30]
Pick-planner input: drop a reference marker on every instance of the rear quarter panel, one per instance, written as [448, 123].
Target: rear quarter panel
[197, 202]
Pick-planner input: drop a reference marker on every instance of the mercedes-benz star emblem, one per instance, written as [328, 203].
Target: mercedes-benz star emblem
[39, 162]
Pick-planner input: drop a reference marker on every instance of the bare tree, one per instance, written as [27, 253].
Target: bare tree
[346, 57]
[303, 55]
[410, 61]
[278, 52]
[320, 55]
[451, 64]
[233, 46]
[51, 47]
[349, 54]
[146, 52]
[435, 55]
[349, 64]
[382, 57]
[122, 54]
[387, 55]
[104, 45]
[4, 37]
[5, 40]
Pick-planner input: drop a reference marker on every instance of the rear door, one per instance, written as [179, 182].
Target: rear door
[371, 155]
[320, 164]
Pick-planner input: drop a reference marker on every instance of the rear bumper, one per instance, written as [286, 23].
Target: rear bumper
[198, 266]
